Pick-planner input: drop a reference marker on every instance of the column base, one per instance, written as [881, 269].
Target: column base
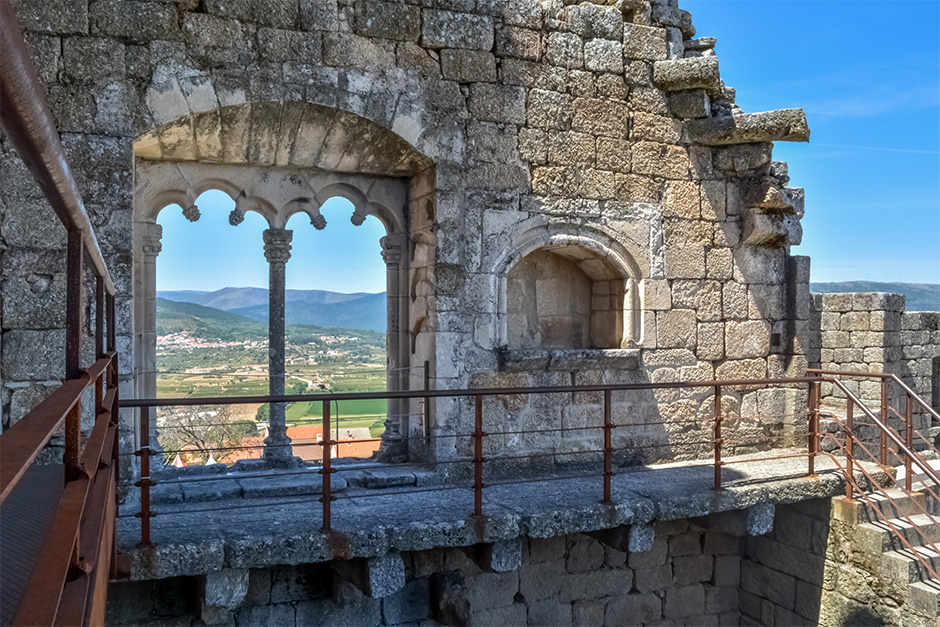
[392, 449]
[279, 454]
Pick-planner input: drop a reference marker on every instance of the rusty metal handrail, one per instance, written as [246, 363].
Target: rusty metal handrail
[476, 437]
[26, 119]
[68, 582]
[883, 428]
[417, 394]
[880, 375]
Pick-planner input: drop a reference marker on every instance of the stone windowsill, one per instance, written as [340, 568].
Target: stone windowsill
[527, 360]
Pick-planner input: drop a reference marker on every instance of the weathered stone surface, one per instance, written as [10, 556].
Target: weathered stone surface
[497, 103]
[388, 20]
[222, 591]
[693, 103]
[468, 66]
[749, 128]
[685, 74]
[447, 29]
[138, 22]
[644, 42]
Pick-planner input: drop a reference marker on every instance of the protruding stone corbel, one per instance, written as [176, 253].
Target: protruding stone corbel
[503, 556]
[753, 521]
[787, 125]
[636, 538]
[742, 160]
[222, 592]
[685, 74]
[377, 577]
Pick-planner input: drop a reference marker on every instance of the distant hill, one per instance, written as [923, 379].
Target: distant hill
[322, 308]
[919, 296]
[210, 323]
[206, 322]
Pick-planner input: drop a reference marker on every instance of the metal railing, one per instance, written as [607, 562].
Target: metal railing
[68, 582]
[715, 438]
[902, 451]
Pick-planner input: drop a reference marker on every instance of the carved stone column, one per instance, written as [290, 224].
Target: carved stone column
[393, 442]
[151, 245]
[277, 449]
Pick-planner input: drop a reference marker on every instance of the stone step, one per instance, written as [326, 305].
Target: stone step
[900, 504]
[879, 537]
[904, 566]
[925, 597]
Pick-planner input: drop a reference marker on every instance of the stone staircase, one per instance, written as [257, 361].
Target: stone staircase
[875, 537]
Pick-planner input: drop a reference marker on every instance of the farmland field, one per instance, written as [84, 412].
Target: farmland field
[334, 361]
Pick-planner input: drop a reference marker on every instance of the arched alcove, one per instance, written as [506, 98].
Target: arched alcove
[563, 298]
[555, 290]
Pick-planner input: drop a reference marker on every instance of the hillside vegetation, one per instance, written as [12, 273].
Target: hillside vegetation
[214, 324]
[919, 296]
[307, 307]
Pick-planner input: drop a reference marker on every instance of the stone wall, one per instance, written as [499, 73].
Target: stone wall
[871, 332]
[782, 571]
[518, 126]
[690, 576]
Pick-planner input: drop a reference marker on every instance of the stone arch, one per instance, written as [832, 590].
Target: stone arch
[599, 256]
[278, 159]
[285, 134]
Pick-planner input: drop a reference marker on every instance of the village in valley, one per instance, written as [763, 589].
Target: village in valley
[192, 364]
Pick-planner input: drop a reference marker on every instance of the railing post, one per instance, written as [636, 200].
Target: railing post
[883, 456]
[478, 457]
[718, 437]
[144, 483]
[813, 420]
[327, 470]
[427, 403]
[99, 342]
[73, 349]
[112, 341]
[849, 435]
[908, 440]
[608, 447]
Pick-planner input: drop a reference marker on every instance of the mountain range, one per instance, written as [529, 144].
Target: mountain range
[918, 296]
[366, 311]
[321, 308]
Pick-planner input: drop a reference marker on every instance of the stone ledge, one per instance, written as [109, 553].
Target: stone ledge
[255, 533]
[788, 125]
[522, 360]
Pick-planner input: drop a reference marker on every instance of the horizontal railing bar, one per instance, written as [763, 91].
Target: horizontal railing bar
[26, 119]
[99, 444]
[880, 375]
[100, 366]
[389, 394]
[914, 457]
[21, 443]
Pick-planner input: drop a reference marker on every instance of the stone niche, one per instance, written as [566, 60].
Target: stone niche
[564, 299]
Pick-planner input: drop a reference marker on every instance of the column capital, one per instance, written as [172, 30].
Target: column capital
[151, 238]
[392, 248]
[277, 245]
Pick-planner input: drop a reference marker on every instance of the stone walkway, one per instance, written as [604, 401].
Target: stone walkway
[199, 537]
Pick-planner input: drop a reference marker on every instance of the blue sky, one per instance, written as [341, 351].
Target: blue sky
[868, 76]
[866, 73]
[210, 254]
